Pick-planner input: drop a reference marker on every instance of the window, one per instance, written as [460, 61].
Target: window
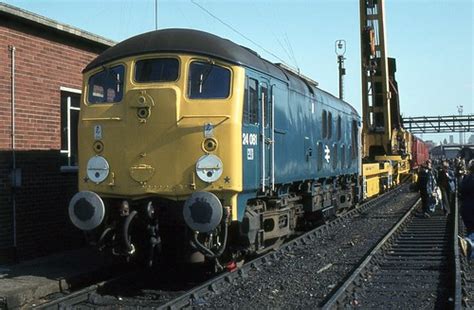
[334, 156]
[251, 102]
[208, 81]
[320, 156]
[343, 156]
[339, 127]
[70, 107]
[265, 98]
[349, 156]
[329, 125]
[106, 86]
[325, 124]
[156, 70]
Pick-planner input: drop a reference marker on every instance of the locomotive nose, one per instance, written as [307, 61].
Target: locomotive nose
[86, 210]
[202, 212]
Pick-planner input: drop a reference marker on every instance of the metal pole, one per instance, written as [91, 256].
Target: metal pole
[156, 14]
[340, 60]
[340, 49]
[460, 110]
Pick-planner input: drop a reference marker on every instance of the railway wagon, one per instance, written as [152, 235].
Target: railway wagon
[197, 146]
[419, 151]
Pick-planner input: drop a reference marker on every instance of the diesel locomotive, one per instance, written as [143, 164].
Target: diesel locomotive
[195, 146]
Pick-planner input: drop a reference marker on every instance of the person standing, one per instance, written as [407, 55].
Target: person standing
[427, 185]
[466, 195]
[446, 183]
[460, 168]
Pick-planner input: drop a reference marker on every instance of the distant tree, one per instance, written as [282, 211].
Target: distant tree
[445, 141]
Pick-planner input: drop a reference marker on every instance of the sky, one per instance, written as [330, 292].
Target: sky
[432, 40]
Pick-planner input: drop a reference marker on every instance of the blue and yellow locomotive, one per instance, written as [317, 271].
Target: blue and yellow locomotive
[197, 145]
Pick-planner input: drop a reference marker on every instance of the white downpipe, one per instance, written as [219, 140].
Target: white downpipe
[13, 129]
[69, 130]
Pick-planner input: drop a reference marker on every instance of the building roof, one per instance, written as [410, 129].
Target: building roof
[52, 25]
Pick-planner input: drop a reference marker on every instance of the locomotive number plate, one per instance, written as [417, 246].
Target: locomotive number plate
[249, 139]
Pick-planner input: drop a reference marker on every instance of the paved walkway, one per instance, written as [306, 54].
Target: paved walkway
[23, 284]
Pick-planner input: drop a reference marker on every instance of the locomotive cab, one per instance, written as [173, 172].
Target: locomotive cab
[157, 132]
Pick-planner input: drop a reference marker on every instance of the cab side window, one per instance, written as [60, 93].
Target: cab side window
[266, 114]
[250, 114]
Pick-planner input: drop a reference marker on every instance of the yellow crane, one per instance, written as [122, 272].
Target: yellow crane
[386, 145]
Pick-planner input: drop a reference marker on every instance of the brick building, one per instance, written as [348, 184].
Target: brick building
[40, 80]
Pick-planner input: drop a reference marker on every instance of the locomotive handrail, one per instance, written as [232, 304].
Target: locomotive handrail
[102, 119]
[225, 117]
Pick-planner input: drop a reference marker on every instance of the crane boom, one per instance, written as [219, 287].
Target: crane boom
[386, 145]
[382, 132]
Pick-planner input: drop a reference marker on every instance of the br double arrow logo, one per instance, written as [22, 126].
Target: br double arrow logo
[328, 153]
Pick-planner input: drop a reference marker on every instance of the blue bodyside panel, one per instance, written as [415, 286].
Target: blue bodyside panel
[302, 151]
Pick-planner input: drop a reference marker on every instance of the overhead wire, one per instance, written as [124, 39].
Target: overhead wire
[235, 30]
[283, 47]
[290, 47]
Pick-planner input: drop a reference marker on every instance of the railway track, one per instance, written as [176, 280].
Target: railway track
[416, 265]
[197, 294]
[467, 276]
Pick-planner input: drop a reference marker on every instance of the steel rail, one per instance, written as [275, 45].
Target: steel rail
[389, 245]
[189, 298]
[332, 302]
[456, 263]
[74, 298]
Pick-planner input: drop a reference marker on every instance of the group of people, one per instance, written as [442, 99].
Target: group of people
[438, 188]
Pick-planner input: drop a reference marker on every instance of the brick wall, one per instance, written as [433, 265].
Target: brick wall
[6, 237]
[42, 220]
[43, 64]
[45, 60]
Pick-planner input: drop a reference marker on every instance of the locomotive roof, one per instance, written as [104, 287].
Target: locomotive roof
[194, 42]
[201, 43]
[186, 41]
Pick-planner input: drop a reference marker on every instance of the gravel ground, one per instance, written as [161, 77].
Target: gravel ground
[303, 277]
